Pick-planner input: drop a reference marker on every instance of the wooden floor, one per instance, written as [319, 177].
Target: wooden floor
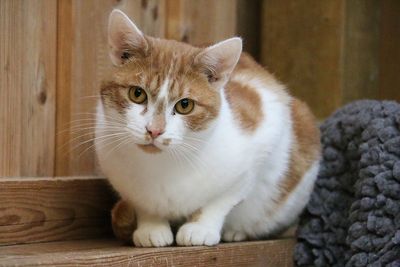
[109, 252]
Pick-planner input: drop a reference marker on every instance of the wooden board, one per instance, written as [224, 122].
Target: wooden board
[301, 44]
[389, 78]
[27, 87]
[248, 25]
[201, 21]
[331, 53]
[272, 253]
[48, 209]
[360, 50]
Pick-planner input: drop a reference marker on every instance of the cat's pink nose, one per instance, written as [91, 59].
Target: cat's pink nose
[154, 132]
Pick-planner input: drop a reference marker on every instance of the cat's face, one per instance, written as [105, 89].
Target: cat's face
[163, 91]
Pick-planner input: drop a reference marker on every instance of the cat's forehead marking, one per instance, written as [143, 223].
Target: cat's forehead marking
[163, 91]
[159, 107]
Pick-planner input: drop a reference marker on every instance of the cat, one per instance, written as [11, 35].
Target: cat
[203, 137]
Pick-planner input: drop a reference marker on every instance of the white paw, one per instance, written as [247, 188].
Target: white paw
[233, 236]
[153, 236]
[195, 234]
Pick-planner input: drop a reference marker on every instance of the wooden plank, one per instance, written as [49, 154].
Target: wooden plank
[111, 253]
[202, 21]
[360, 51]
[48, 209]
[55, 230]
[249, 25]
[82, 63]
[27, 87]
[389, 79]
[82, 60]
[301, 45]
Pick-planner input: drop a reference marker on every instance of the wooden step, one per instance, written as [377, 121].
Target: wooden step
[110, 252]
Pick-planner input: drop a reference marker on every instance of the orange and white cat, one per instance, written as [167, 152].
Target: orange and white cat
[201, 136]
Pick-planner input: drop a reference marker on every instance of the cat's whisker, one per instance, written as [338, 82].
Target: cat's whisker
[188, 160]
[104, 115]
[93, 139]
[86, 127]
[77, 133]
[93, 123]
[103, 143]
[189, 156]
[121, 141]
[196, 149]
[193, 152]
[176, 158]
[93, 145]
[178, 138]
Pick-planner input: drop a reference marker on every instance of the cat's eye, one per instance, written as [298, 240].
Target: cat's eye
[184, 106]
[137, 95]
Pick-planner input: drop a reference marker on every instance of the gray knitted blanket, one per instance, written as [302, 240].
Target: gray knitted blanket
[353, 216]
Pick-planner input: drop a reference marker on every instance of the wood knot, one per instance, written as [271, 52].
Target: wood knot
[42, 97]
[185, 37]
[155, 12]
[144, 4]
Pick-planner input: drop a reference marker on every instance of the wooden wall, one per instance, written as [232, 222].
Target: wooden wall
[27, 87]
[333, 52]
[53, 54]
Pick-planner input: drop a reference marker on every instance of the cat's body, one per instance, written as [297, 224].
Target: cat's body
[247, 159]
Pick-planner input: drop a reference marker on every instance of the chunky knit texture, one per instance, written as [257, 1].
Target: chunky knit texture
[353, 216]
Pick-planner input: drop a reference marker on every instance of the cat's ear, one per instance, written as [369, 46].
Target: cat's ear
[219, 60]
[124, 38]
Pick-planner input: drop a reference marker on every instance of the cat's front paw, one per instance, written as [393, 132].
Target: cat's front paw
[158, 235]
[195, 234]
[233, 236]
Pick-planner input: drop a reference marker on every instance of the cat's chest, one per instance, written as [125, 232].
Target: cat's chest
[174, 189]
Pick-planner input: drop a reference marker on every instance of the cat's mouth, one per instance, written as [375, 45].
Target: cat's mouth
[150, 148]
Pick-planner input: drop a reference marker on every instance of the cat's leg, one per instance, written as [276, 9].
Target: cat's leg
[231, 235]
[152, 231]
[237, 220]
[204, 226]
[123, 221]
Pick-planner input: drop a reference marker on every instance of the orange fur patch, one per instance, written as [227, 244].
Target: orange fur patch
[245, 104]
[305, 148]
[112, 96]
[123, 221]
[195, 217]
[247, 69]
[166, 142]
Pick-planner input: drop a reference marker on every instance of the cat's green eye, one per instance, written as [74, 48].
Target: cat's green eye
[184, 106]
[137, 95]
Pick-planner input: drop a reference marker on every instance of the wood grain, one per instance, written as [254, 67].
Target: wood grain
[110, 253]
[27, 87]
[248, 25]
[360, 50]
[202, 21]
[301, 45]
[82, 60]
[48, 209]
[389, 78]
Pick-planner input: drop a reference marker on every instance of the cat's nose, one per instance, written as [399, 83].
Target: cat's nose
[154, 132]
